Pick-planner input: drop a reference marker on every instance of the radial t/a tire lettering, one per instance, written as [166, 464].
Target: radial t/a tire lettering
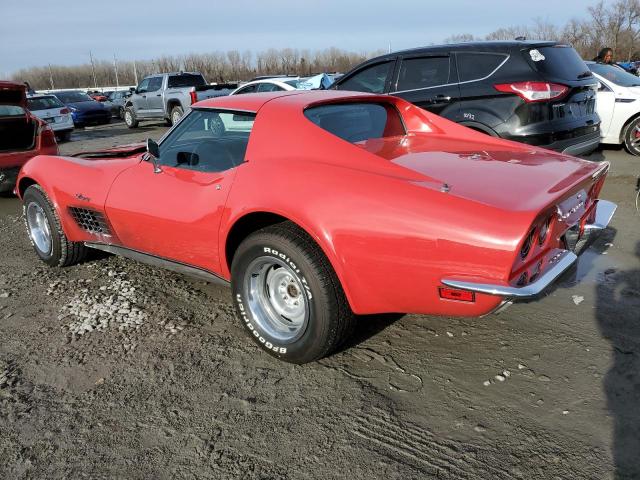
[287, 295]
[45, 231]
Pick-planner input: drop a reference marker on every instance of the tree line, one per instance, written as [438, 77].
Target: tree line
[615, 25]
[220, 67]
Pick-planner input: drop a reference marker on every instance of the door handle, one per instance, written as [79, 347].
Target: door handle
[144, 96]
[440, 99]
[159, 95]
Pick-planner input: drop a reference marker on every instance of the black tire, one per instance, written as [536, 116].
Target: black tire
[130, 118]
[121, 113]
[63, 252]
[328, 319]
[175, 115]
[64, 136]
[631, 137]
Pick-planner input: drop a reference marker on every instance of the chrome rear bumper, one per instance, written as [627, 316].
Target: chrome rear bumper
[556, 265]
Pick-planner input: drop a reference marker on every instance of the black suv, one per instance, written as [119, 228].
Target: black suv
[539, 93]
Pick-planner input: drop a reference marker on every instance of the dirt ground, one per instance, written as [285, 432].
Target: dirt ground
[115, 370]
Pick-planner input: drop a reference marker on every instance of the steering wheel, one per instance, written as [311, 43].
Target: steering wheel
[216, 126]
[214, 156]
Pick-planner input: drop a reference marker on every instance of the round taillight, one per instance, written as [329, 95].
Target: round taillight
[528, 242]
[544, 231]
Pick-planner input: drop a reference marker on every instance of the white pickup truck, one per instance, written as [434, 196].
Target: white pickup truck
[168, 95]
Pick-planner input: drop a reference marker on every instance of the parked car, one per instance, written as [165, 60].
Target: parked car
[84, 110]
[22, 134]
[276, 84]
[618, 104]
[630, 67]
[539, 93]
[440, 219]
[167, 96]
[115, 103]
[50, 109]
[98, 96]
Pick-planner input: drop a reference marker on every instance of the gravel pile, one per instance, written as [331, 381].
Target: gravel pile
[99, 308]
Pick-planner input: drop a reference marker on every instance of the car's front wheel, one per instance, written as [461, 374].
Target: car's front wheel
[176, 115]
[288, 296]
[632, 137]
[130, 118]
[45, 231]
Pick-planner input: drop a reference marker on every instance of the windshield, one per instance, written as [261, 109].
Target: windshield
[43, 103]
[558, 61]
[73, 97]
[186, 80]
[615, 75]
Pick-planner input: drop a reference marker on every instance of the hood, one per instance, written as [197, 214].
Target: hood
[499, 174]
[88, 106]
[13, 94]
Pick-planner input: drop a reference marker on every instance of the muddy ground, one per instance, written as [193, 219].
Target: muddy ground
[112, 369]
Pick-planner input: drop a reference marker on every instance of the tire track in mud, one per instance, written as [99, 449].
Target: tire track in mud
[438, 456]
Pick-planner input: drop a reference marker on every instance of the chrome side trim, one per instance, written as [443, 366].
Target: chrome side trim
[604, 214]
[159, 262]
[559, 264]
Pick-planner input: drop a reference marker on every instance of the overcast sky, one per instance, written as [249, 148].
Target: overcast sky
[37, 32]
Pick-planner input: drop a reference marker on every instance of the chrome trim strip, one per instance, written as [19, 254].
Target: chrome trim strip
[604, 214]
[159, 262]
[507, 56]
[561, 263]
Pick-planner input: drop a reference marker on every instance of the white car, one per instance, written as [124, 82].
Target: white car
[618, 105]
[276, 84]
[54, 112]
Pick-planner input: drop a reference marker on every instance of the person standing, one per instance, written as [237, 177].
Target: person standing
[605, 56]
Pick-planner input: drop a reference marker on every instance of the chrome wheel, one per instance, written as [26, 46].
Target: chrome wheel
[39, 228]
[175, 117]
[128, 118]
[635, 137]
[276, 298]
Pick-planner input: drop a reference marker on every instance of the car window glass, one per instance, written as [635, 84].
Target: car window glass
[186, 80]
[11, 111]
[144, 85]
[208, 141]
[559, 61]
[474, 66]
[154, 84]
[247, 89]
[269, 87]
[615, 74]
[370, 79]
[43, 103]
[423, 72]
[357, 122]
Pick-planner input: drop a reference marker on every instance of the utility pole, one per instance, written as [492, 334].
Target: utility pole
[135, 73]
[115, 67]
[93, 69]
[51, 78]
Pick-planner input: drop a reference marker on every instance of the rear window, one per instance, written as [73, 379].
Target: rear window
[186, 80]
[474, 66]
[43, 103]
[559, 61]
[357, 122]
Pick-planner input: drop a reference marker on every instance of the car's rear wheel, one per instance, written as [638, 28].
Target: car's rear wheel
[288, 296]
[632, 137]
[130, 118]
[121, 113]
[176, 114]
[45, 231]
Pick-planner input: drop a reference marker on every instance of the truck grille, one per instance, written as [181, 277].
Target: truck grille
[90, 220]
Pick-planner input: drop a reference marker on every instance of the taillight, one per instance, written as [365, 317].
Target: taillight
[47, 137]
[534, 91]
[64, 111]
[194, 97]
[455, 294]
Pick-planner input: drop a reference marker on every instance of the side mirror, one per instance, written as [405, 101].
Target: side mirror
[153, 153]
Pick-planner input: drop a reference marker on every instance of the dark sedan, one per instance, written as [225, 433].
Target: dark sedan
[84, 110]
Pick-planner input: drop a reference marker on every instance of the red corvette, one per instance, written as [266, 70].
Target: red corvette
[22, 135]
[316, 206]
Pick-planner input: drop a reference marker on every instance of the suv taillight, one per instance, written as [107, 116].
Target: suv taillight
[194, 97]
[64, 111]
[534, 91]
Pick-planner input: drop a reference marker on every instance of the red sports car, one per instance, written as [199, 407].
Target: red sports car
[316, 206]
[22, 135]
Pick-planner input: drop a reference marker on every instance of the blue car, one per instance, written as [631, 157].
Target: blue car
[84, 110]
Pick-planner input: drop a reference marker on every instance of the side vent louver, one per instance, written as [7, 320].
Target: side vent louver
[90, 220]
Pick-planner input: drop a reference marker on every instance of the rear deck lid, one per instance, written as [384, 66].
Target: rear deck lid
[13, 94]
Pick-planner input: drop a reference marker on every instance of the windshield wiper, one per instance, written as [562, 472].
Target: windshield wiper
[585, 74]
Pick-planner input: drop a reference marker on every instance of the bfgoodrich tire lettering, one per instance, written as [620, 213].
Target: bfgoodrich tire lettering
[287, 295]
[59, 251]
